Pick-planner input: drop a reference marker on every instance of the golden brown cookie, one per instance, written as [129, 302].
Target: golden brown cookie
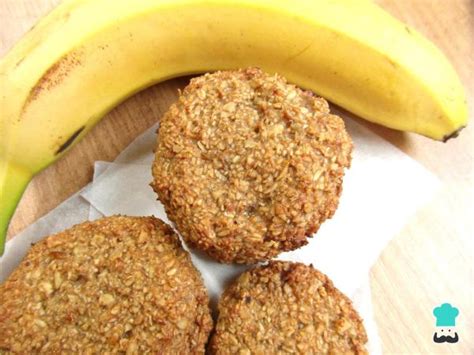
[116, 285]
[248, 166]
[286, 308]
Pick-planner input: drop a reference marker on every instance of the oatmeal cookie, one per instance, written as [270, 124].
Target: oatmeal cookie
[116, 285]
[248, 166]
[286, 308]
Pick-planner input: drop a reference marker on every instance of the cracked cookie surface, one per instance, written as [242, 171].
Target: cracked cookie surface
[248, 166]
[286, 308]
[118, 284]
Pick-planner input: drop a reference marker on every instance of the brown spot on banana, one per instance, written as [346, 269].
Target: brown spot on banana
[69, 141]
[19, 62]
[454, 134]
[54, 76]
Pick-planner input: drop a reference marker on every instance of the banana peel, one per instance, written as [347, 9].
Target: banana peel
[87, 56]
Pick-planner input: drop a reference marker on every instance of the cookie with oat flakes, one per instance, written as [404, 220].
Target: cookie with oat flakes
[286, 308]
[248, 165]
[115, 285]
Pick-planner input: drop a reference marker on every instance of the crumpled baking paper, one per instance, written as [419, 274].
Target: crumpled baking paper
[381, 190]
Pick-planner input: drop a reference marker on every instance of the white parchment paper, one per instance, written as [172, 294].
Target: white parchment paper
[383, 188]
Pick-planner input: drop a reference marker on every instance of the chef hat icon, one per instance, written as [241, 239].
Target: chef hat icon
[445, 315]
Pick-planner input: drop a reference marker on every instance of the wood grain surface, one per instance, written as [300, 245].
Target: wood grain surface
[428, 263]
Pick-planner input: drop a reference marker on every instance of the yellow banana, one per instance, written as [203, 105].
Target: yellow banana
[88, 55]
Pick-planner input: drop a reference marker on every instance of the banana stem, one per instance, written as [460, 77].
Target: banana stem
[13, 182]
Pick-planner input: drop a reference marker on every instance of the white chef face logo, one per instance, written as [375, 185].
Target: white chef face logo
[446, 335]
[445, 324]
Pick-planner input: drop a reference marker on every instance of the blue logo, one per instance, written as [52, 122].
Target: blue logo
[445, 324]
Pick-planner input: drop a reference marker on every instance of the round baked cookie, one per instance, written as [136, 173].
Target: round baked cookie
[286, 308]
[116, 285]
[248, 166]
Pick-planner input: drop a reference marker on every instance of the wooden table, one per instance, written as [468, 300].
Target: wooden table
[429, 262]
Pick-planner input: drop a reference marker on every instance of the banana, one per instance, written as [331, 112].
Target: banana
[88, 55]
